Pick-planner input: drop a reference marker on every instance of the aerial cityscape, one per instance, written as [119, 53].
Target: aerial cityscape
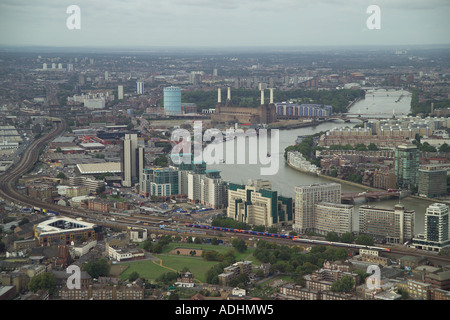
[183, 172]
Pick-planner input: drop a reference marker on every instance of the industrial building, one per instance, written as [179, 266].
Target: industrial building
[172, 101]
[294, 110]
[263, 114]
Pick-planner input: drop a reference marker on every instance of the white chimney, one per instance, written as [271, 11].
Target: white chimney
[271, 95]
[219, 95]
[262, 96]
[229, 94]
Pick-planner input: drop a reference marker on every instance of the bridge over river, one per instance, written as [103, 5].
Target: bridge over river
[372, 195]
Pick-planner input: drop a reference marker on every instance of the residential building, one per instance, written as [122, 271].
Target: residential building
[306, 198]
[407, 160]
[186, 280]
[159, 182]
[436, 234]
[419, 290]
[140, 87]
[231, 272]
[392, 225]
[333, 217]
[132, 160]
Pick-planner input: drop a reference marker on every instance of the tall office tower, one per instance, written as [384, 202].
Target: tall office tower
[69, 67]
[306, 197]
[258, 207]
[215, 74]
[120, 92]
[140, 87]
[60, 66]
[436, 235]
[132, 160]
[106, 76]
[44, 66]
[172, 101]
[392, 225]
[407, 158]
[432, 183]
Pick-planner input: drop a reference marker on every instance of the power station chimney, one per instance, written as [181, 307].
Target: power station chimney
[271, 96]
[229, 94]
[262, 96]
[219, 95]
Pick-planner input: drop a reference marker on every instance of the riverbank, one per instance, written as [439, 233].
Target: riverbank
[350, 183]
[294, 124]
[302, 170]
[433, 200]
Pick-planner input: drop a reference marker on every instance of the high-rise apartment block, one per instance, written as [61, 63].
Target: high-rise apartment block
[120, 92]
[436, 235]
[140, 87]
[159, 182]
[132, 160]
[306, 198]
[407, 159]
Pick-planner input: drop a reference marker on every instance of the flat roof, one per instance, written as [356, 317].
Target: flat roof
[92, 168]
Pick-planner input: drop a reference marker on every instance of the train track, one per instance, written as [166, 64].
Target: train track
[8, 180]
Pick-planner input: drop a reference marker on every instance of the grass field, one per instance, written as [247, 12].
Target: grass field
[197, 265]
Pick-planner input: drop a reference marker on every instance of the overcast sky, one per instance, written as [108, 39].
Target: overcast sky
[142, 23]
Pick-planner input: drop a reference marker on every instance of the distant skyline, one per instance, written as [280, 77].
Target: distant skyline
[227, 23]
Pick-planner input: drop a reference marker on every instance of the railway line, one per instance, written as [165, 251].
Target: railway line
[30, 156]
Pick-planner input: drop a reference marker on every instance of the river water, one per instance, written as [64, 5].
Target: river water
[377, 103]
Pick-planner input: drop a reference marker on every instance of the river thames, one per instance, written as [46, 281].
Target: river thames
[377, 103]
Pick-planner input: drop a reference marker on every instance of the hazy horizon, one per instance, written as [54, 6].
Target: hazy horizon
[224, 24]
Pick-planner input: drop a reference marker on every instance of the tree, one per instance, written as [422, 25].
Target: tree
[347, 237]
[97, 268]
[239, 244]
[444, 148]
[372, 147]
[61, 175]
[44, 281]
[345, 284]
[133, 276]
[364, 240]
[332, 236]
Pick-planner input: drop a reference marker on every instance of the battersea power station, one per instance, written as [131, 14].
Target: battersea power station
[263, 114]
